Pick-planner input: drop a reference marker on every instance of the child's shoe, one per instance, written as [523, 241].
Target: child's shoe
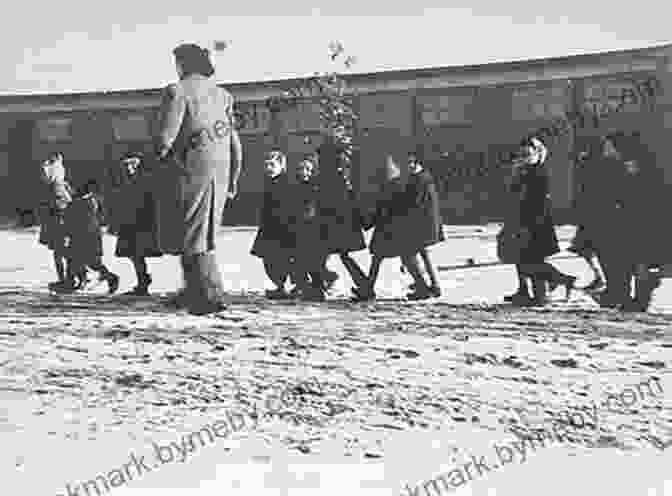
[329, 278]
[277, 294]
[313, 294]
[142, 288]
[362, 295]
[53, 286]
[423, 293]
[112, 282]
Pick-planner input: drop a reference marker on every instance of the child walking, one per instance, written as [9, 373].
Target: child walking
[339, 209]
[389, 228]
[51, 215]
[309, 229]
[83, 219]
[425, 227]
[133, 219]
[275, 239]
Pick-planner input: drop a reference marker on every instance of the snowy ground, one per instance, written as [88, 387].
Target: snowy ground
[382, 395]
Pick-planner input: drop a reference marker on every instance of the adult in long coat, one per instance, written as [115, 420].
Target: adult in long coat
[197, 145]
[533, 208]
[625, 189]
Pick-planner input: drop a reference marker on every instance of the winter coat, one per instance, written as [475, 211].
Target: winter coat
[424, 225]
[51, 216]
[338, 205]
[619, 210]
[83, 219]
[389, 235]
[133, 218]
[309, 227]
[195, 123]
[532, 212]
[275, 236]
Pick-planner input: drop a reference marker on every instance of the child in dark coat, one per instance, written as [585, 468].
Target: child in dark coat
[134, 220]
[309, 228]
[425, 227]
[339, 208]
[52, 213]
[275, 240]
[83, 219]
[389, 228]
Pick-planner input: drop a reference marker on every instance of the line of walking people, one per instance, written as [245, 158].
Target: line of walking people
[302, 223]
[317, 215]
[620, 190]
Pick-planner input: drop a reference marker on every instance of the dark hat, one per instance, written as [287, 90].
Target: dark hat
[190, 50]
[194, 59]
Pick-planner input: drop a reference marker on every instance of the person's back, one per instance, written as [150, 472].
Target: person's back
[202, 150]
[208, 127]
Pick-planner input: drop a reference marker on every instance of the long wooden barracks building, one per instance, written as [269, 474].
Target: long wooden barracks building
[464, 119]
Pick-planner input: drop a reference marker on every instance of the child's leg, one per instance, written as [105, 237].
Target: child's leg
[413, 267]
[374, 270]
[59, 263]
[299, 274]
[276, 270]
[429, 268]
[356, 273]
[595, 267]
[315, 291]
[142, 276]
[368, 292]
[140, 266]
[105, 274]
[328, 276]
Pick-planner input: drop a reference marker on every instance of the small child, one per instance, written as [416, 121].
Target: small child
[83, 219]
[390, 230]
[133, 219]
[275, 239]
[425, 227]
[310, 250]
[339, 207]
[51, 215]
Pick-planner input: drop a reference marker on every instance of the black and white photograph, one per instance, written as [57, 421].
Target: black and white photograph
[306, 249]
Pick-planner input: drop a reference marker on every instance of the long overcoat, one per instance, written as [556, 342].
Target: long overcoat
[531, 210]
[195, 122]
[619, 210]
